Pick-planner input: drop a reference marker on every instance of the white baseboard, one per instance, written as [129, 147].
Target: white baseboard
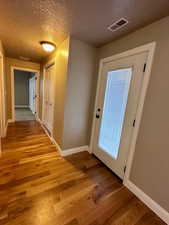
[21, 106]
[38, 119]
[64, 152]
[51, 138]
[74, 150]
[3, 135]
[154, 206]
[11, 121]
[67, 152]
[57, 145]
[6, 128]
[44, 128]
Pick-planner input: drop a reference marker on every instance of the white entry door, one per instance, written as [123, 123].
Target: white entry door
[32, 94]
[49, 98]
[118, 95]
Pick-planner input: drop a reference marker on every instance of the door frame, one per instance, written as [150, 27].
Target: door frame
[13, 89]
[46, 66]
[3, 126]
[2, 98]
[30, 80]
[150, 49]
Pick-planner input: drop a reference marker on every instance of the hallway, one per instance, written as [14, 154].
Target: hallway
[39, 187]
[24, 114]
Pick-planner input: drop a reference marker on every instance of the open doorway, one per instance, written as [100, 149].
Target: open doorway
[25, 94]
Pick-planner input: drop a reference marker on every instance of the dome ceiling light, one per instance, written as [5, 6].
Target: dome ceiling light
[48, 46]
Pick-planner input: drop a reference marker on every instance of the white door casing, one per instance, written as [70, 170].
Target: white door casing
[2, 98]
[133, 77]
[48, 103]
[32, 94]
[150, 49]
[37, 90]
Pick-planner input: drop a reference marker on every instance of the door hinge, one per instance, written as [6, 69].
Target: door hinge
[144, 68]
[124, 169]
[134, 123]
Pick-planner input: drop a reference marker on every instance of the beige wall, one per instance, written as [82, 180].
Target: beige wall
[21, 81]
[151, 161]
[60, 57]
[17, 63]
[74, 65]
[78, 94]
[60, 84]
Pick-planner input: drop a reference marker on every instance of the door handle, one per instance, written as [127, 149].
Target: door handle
[97, 116]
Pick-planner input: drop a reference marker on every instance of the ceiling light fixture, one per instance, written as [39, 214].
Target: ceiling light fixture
[48, 46]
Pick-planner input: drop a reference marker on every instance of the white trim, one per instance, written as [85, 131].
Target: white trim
[12, 94]
[44, 128]
[32, 104]
[21, 106]
[74, 150]
[43, 98]
[64, 152]
[6, 128]
[51, 138]
[52, 62]
[10, 121]
[37, 102]
[156, 208]
[57, 145]
[13, 90]
[150, 48]
[5, 131]
[2, 97]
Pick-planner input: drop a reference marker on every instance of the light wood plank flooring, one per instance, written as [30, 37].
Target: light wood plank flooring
[39, 187]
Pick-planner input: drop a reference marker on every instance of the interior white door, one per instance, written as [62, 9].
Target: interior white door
[45, 116]
[32, 94]
[49, 98]
[118, 96]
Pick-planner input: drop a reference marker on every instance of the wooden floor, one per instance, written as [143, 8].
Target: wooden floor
[39, 187]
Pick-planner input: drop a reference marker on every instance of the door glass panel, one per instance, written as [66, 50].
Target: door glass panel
[115, 101]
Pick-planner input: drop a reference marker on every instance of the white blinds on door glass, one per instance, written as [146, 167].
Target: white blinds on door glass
[116, 95]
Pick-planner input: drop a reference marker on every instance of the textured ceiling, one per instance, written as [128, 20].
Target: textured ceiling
[23, 23]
